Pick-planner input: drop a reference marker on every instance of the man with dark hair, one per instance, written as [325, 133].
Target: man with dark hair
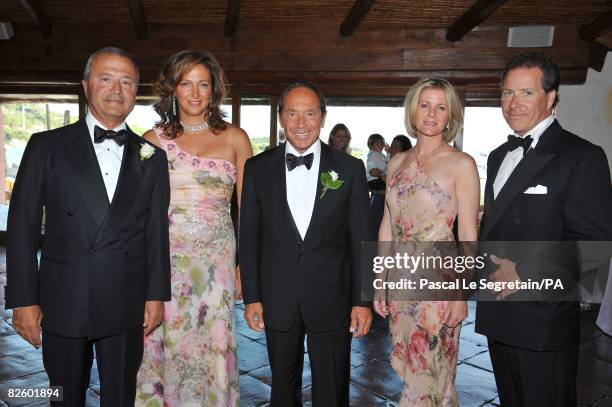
[104, 268]
[303, 216]
[306, 85]
[544, 185]
[550, 76]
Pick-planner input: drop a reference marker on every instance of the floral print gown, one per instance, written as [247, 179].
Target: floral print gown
[424, 351]
[191, 359]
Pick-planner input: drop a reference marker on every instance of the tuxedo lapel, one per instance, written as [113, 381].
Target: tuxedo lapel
[81, 157]
[278, 188]
[531, 164]
[325, 165]
[128, 185]
[492, 174]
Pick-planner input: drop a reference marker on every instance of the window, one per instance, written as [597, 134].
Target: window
[485, 129]
[362, 121]
[20, 119]
[255, 120]
[142, 118]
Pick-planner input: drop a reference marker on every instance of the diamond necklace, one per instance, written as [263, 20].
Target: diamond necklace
[194, 127]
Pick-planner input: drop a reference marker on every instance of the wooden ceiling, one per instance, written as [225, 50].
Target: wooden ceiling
[376, 47]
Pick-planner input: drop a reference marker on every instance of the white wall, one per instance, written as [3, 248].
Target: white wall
[586, 110]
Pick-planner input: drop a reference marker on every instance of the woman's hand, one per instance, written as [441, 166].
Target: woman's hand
[381, 308]
[455, 313]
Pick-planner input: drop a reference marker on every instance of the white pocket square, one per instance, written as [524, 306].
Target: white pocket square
[537, 190]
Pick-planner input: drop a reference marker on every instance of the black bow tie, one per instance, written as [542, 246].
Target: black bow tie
[100, 135]
[515, 142]
[293, 161]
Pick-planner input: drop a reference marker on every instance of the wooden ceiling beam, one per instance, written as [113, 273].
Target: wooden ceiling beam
[597, 56]
[25, 78]
[231, 18]
[143, 28]
[474, 16]
[358, 12]
[597, 28]
[37, 14]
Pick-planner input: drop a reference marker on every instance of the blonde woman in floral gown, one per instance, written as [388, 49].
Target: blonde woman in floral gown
[428, 187]
[191, 359]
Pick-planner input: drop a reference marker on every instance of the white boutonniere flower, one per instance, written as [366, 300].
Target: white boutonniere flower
[146, 151]
[330, 180]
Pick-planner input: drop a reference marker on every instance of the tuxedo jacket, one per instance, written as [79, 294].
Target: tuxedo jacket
[318, 276]
[576, 207]
[99, 261]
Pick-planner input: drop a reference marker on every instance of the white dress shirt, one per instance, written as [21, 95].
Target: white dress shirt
[512, 158]
[109, 155]
[302, 186]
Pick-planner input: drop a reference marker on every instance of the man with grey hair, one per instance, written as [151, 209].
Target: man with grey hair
[104, 268]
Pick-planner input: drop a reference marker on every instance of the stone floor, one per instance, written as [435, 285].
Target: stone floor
[373, 382]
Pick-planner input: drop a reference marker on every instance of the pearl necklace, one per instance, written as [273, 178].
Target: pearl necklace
[194, 127]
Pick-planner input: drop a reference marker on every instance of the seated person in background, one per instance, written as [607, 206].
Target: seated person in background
[399, 144]
[376, 163]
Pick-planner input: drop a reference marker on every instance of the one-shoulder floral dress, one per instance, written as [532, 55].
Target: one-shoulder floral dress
[424, 352]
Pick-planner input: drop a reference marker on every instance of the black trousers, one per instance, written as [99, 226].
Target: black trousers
[68, 364]
[527, 378]
[329, 355]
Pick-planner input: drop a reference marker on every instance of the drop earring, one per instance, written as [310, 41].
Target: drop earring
[174, 105]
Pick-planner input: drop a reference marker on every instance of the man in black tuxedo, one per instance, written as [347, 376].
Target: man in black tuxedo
[544, 185]
[104, 260]
[303, 216]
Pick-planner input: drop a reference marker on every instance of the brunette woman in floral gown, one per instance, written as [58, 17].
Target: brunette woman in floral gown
[191, 359]
[428, 187]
